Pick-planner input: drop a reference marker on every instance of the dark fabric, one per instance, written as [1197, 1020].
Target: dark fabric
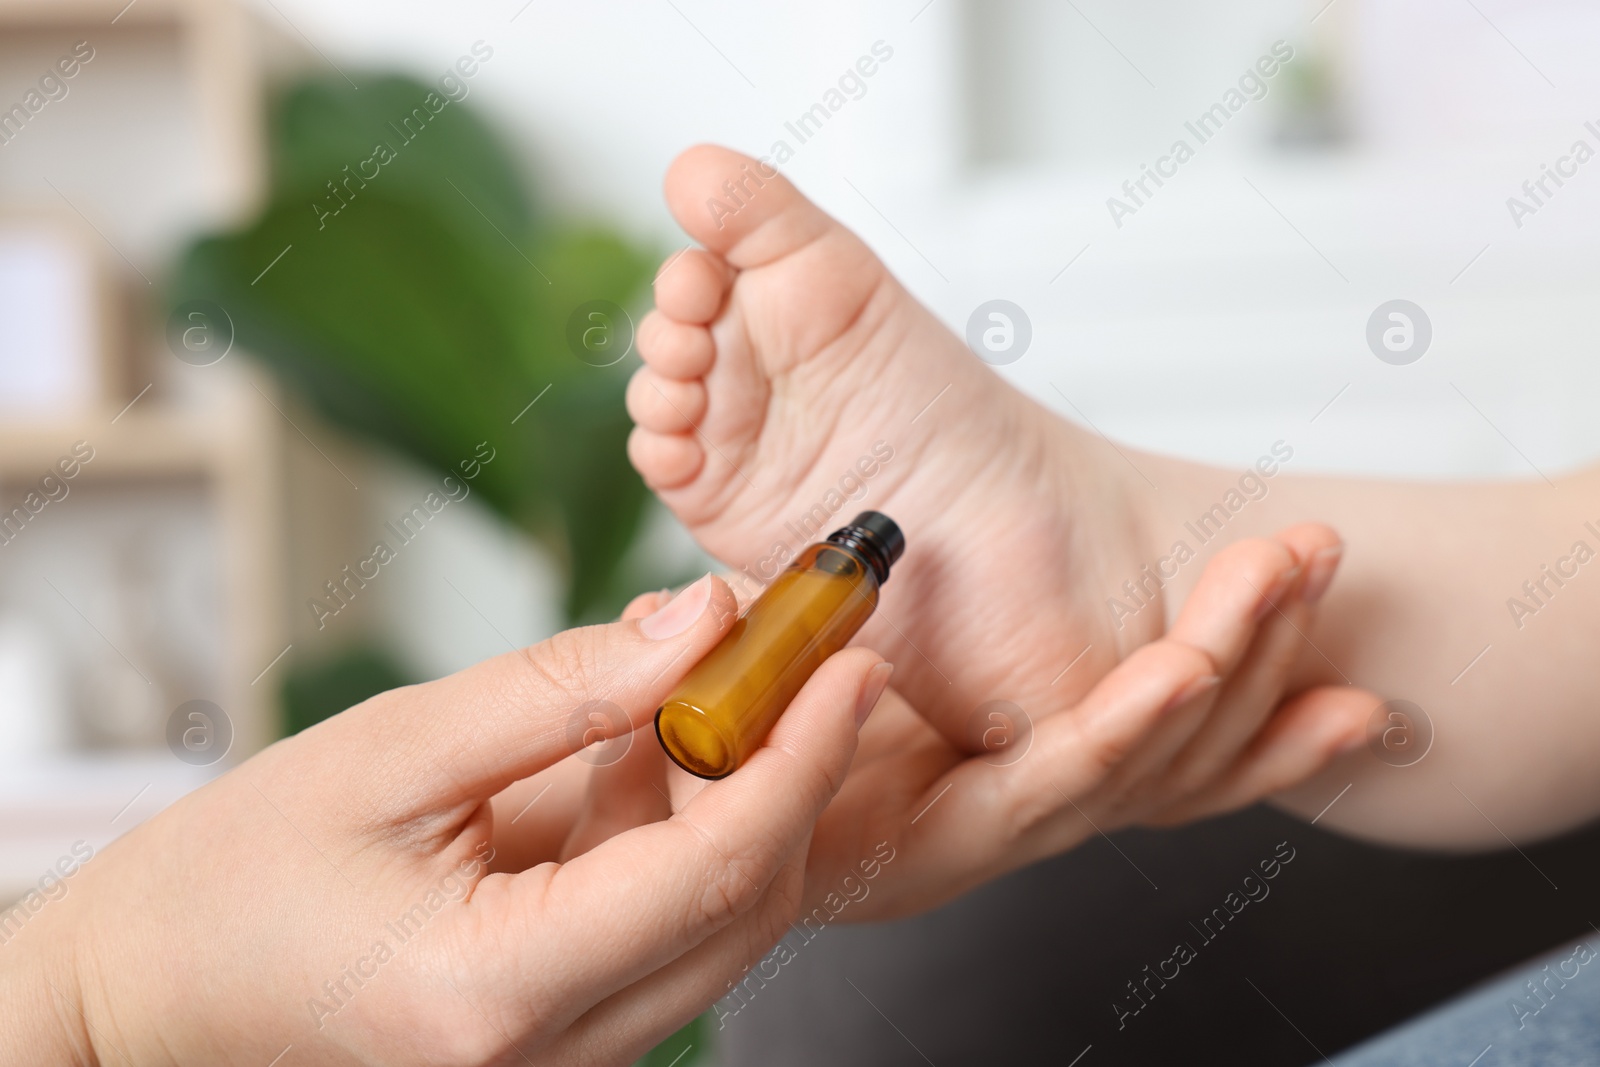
[1347, 940]
[1543, 1014]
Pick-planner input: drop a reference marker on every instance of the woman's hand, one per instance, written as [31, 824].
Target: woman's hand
[1187, 726]
[331, 901]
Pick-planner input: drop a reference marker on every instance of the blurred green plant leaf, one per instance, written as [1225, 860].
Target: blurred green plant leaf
[318, 128]
[426, 307]
[323, 689]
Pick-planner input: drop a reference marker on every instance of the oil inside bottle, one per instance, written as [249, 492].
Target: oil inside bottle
[725, 707]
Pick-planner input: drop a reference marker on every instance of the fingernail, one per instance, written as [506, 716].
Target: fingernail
[871, 689]
[1319, 573]
[1192, 690]
[676, 617]
[1274, 593]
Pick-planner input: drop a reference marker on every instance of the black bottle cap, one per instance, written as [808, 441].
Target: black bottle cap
[877, 537]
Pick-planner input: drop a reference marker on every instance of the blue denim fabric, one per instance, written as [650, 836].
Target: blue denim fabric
[1545, 1013]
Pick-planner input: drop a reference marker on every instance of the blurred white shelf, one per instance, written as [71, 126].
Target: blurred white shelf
[155, 442]
[48, 805]
[227, 445]
[160, 132]
[159, 135]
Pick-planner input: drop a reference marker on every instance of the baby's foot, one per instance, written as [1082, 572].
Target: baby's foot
[790, 382]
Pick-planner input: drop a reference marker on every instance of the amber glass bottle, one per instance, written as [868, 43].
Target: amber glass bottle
[730, 700]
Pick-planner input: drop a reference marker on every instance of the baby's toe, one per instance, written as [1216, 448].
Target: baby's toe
[663, 405]
[691, 287]
[675, 349]
[740, 207]
[665, 461]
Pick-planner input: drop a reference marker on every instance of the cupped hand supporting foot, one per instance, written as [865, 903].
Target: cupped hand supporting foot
[1190, 725]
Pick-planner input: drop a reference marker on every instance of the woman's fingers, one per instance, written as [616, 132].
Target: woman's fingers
[1305, 735]
[1199, 694]
[1236, 592]
[1003, 814]
[623, 1026]
[450, 744]
[644, 897]
[1249, 612]
[1247, 699]
[627, 788]
[534, 817]
[645, 604]
[1238, 587]
[1319, 549]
